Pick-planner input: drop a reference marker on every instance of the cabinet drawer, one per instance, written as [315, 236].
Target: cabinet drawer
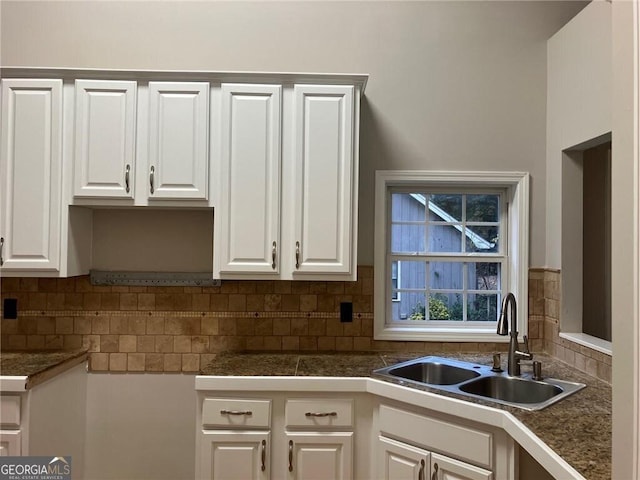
[10, 411]
[236, 412]
[319, 412]
[460, 441]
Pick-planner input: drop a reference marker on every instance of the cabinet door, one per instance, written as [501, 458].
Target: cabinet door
[320, 456]
[30, 174]
[241, 455]
[178, 140]
[249, 204]
[399, 461]
[10, 443]
[445, 468]
[104, 138]
[324, 156]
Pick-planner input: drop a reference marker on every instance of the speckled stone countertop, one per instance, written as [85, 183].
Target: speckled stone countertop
[39, 366]
[577, 428]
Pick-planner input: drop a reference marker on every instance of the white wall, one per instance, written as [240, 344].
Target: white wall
[153, 240]
[140, 426]
[625, 232]
[579, 87]
[454, 85]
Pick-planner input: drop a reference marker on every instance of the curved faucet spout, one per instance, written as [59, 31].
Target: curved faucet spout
[515, 355]
[503, 323]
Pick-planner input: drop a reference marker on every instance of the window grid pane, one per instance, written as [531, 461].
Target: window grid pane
[461, 257]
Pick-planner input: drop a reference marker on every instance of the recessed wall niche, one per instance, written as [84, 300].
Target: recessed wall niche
[586, 244]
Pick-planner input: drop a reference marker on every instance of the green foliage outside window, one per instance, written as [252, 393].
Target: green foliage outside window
[480, 310]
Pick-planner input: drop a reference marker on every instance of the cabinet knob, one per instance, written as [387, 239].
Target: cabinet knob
[434, 475]
[153, 170]
[421, 472]
[263, 455]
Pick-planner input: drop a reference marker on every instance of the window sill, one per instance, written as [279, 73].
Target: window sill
[588, 341]
[434, 334]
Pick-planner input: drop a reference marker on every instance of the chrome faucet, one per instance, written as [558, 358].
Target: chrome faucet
[515, 355]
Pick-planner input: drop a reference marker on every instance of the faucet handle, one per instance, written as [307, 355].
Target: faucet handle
[526, 344]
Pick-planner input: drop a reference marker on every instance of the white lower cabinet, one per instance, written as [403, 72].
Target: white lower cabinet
[234, 455]
[301, 439]
[10, 443]
[401, 461]
[335, 435]
[234, 441]
[319, 456]
[444, 468]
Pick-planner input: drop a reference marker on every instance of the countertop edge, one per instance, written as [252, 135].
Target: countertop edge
[536, 447]
[22, 383]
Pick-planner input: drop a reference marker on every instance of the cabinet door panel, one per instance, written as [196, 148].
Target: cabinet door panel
[178, 140]
[30, 168]
[399, 461]
[104, 138]
[320, 456]
[324, 178]
[234, 455]
[445, 468]
[250, 187]
[10, 443]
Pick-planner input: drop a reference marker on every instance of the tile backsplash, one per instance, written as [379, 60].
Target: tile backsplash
[178, 329]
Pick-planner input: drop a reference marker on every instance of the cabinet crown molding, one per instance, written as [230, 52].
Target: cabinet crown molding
[285, 78]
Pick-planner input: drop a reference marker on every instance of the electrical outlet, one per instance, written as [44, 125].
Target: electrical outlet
[346, 312]
[10, 308]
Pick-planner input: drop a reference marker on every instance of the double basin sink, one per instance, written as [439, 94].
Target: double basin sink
[479, 381]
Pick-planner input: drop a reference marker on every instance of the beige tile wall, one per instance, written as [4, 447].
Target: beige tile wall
[544, 307]
[180, 329]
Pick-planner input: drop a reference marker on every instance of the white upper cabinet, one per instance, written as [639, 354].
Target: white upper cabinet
[287, 203]
[325, 192]
[105, 131]
[178, 140]
[30, 174]
[248, 214]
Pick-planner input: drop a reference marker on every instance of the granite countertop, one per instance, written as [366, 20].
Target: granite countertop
[39, 366]
[577, 428]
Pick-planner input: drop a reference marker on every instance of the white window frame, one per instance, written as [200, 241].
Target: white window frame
[516, 186]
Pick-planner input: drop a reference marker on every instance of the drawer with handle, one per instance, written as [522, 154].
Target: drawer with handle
[236, 413]
[319, 412]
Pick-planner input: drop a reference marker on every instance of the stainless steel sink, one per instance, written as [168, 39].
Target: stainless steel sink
[434, 373]
[479, 381]
[512, 389]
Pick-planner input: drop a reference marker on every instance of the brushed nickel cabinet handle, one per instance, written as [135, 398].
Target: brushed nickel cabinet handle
[434, 475]
[126, 177]
[151, 175]
[297, 255]
[421, 472]
[291, 455]
[1, 248]
[248, 413]
[264, 455]
[274, 250]
[321, 414]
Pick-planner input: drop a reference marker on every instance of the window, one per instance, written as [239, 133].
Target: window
[448, 246]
